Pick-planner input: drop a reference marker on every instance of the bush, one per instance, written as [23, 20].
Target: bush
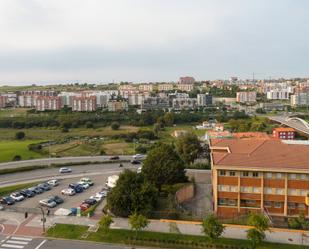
[16, 158]
[20, 135]
[199, 166]
[115, 126]
[89, 124]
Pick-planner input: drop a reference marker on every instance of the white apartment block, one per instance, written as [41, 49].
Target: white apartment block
[300, 99]
[277, 95]
[165, 87]
[185, 87]
[28, 101]
[145, 88]
[246, 97]
[84, 104]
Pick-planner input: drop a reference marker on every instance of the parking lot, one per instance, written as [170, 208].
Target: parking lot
[69, 201]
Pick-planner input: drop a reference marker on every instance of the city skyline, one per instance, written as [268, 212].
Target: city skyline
[47, 42]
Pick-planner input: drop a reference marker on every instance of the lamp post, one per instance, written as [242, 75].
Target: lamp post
[43, 219]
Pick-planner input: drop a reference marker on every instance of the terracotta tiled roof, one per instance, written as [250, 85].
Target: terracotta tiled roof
[262, 135]
[261, 153]
[283, 129]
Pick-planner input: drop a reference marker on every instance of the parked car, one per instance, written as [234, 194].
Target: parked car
[90, 202]
[48, 203]
[114, 158]
[17, 196]
[68, 191]
[7, 200]
[84, 185]
[103, 193]
[84, 206]
[53, 182]
[56, 199]
[44, 186]
[65, 170]
[87, 180]
[36, 190]
[98, 196]
[77, 187]
[27, 193]
[135, 162]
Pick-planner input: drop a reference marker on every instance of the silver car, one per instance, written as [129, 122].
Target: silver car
[48, 203]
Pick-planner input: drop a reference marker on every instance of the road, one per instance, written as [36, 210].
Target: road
[47, 161]
[297, 125]
[77, 171]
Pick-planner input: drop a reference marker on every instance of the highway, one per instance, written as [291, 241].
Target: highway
[47, 161]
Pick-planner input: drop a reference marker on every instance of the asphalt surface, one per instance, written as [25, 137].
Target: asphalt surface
[47, 161]
[77, 171]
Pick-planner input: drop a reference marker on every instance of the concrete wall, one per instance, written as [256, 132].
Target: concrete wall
[185, 193]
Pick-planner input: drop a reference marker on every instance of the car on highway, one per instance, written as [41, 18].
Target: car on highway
[7, 200]
[48, 203]
[36, 190]
[138, 157]
[65, 170]
[17, 196]
[68, 191]
[77, 187]
[56, 199]
[44, 186]
[27, 193]
[114, 158]
[87, 180]
[53, 182]
[135, 162]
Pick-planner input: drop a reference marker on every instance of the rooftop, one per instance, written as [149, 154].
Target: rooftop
[284, 129]
[260, 153]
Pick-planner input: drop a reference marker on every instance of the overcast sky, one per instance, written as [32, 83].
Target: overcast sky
[64, 41]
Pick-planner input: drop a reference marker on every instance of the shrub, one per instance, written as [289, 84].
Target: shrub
[16, 158]
[20, 135]
[115, 126]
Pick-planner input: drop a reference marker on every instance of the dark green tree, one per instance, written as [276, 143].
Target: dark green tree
[188, 147]
[212, 228]
[20, 135]
[89, 124]
[115, 126]
[164, 166]
[105, 223]
[132, 193]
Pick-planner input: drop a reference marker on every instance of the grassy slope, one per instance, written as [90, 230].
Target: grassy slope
[148, 238]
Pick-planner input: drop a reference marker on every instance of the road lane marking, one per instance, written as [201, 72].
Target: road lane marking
[40, 244]
[12, 246]
[17, 242]
[21, 238]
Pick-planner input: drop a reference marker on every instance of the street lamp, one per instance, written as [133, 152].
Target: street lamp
[43, 219]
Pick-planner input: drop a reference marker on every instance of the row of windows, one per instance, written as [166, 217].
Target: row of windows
[268, 175]
[257, 190]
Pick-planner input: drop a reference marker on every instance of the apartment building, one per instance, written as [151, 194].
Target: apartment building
[246, 97]
[184, 103]
[114, 106]
[185, 87]
[204, 100]
[145, 88]
[278, 95]
[300, 99]
[258, 175]
[44, 103]
[285, 133]
[165, 87]
[152, 103]
[3, 101]
[186, 80]
[84, 104]
[28, 100]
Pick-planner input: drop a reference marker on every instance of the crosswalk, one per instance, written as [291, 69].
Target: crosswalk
[14, 242]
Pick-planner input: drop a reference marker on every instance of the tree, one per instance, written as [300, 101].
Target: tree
[115, 126]
[106, 222]
[212, 227]
[20, 135]
[168, 119]
[89, 124]
[156, 129]
[138, 222]
[132, 193]
[257, 234]
[188, 147]
[164, 166]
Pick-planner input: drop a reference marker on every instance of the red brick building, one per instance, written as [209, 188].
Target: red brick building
[259, 175]
[285, 133]
[3, 101]
[44, 103]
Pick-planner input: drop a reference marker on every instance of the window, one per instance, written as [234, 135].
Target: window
[277, 204]
[221, 201]
[233, 189]
[267, 204]
[245, 189]
[279, 191]
[278, 175]
[232, 173]
[268, 191]
[269, 175]
[291, 205]
[222, 172]
[255, 174]
[223, 188]
[301, 206]
[245, 174]
[292, 191]
[303, 177]
[256, 190]
[232, 202]
[292, 176]
[303, 192]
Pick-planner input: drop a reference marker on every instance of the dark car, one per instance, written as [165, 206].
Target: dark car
[36, 190]
[114, 158]
[56, 199]
[77, 187]
[135, 162]
[90, 201]
[44, 186]
[7, 200]
[27, 193]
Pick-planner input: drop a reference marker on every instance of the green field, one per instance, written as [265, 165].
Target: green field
[9, 149]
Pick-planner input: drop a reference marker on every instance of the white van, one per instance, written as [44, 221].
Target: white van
[138, 157]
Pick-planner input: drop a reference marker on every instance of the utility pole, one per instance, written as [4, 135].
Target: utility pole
[43, 219]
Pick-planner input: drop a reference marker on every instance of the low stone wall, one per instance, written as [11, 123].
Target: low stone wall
[185, 193]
